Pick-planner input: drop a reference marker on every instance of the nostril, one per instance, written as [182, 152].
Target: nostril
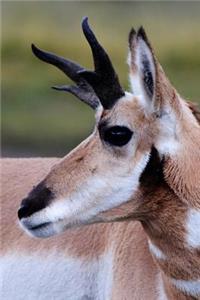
[23, 212]
[37, 200]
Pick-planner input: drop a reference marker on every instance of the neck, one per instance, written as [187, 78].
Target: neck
[182, 170]
[173, 232]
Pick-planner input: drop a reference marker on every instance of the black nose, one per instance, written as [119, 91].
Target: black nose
[23, 211]
[37, 200]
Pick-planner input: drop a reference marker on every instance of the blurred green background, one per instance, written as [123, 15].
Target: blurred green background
[39, 121]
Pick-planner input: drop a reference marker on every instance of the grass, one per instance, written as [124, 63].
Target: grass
[39, 121]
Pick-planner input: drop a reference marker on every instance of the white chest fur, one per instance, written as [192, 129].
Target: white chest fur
[55, 277]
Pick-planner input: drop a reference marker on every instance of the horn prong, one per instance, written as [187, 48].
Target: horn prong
[101, 84]
[83, 90]
[86, 95]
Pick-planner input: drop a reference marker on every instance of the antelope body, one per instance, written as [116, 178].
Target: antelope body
[125, 202]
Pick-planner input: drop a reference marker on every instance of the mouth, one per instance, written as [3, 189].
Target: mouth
[42, 230]
[43, 225]
[40, 226]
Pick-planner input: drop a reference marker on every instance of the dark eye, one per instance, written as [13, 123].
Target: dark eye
[117, 135]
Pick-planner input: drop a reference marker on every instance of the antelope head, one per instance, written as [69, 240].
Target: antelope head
[104, 171]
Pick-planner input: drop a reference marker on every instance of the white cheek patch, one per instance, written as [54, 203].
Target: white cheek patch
[101, 194]
[156, 251]
[55, 276]
[95, 195]
[190, 287]
[193, 228]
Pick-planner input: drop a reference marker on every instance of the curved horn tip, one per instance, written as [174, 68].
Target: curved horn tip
[36, 50]
[87, 30]
[84, 20]
[33, 47]
[55, 87]
[66, 88]
[84, 23]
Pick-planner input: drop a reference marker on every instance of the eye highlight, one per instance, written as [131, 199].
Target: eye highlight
[117, 135]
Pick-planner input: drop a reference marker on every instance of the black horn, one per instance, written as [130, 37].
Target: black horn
[103, 79]
[82, 89]
[91, 86]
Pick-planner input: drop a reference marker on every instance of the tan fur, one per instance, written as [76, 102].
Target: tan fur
[128, 241]
[166, 193]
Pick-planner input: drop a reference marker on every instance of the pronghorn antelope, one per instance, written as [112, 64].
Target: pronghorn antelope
[141, 163]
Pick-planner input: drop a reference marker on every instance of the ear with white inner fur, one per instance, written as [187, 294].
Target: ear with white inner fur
[142, 66]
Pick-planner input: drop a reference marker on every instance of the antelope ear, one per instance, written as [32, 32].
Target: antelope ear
[142, 65]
